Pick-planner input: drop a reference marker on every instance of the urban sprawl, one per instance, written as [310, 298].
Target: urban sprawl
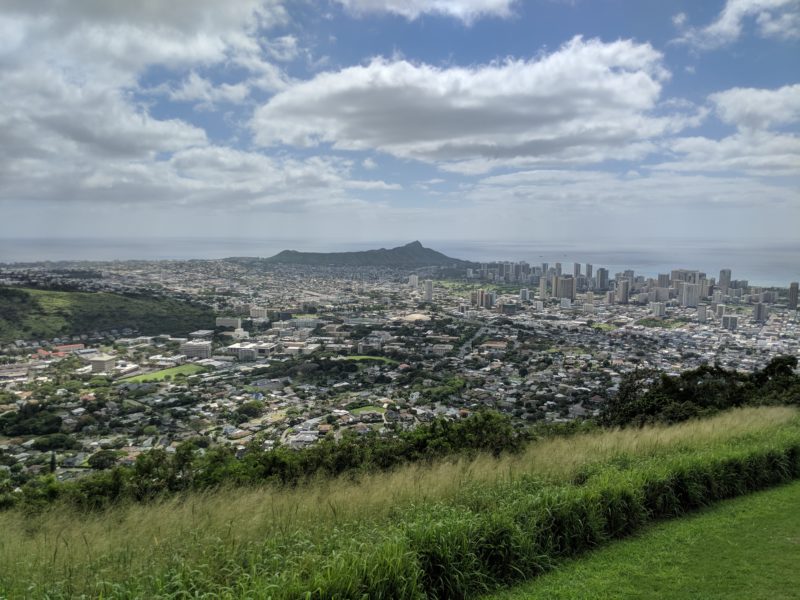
[297, 353]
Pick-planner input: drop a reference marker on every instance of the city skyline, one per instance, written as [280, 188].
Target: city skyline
[354, 120]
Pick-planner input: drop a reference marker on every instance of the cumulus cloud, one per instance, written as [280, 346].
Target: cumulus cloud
[756, 148]
[587, 101]
[773, 19]
[74, 126]
[752, 108]
[466, 11]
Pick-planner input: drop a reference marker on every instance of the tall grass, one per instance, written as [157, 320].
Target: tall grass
[448, 529]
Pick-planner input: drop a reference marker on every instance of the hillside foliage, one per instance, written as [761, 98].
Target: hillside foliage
[44, 314]
[649, 396]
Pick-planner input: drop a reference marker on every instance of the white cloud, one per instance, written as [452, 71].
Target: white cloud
[72, 127]
[754, 148]
[197, 88]
[577, 190]
[463, 10]
[752, 108]
[756, 153]
[679, 20]
[284, 48]
[774, 18]
[586, 102]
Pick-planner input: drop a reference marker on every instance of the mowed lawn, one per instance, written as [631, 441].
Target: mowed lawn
[361, 358]
[746, 548]
[164, 373]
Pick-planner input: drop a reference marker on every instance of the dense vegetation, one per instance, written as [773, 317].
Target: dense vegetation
[445, 530]
[43, 314]
[157, 473]
[649, 396]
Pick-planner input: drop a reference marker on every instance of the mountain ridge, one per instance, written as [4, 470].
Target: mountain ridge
[413, 254]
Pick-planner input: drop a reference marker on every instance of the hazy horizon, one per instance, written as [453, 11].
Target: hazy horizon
[766, 264]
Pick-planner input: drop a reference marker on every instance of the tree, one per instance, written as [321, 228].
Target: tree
[104, 459]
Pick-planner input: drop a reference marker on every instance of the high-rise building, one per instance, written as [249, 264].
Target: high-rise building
[661, 294]
[659, 309]
[558, 269]
[589, 270]
[793, 295]
[542, 288]
[760, 312]
[576, 270]
[524, 295]
[565, 287]
[428, 290]
[602, 279]
[702, 313]
[489, 299]
[686, 275]
[623, 291]
[724, 280]
[730, 322]
[689, 294]
[413, 281]
[663, 280]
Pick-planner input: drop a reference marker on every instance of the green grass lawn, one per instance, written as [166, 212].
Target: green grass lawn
[662, 323]
[164, 373]
[370, 408]
[383, 359]
[746, 548]
[604, 326]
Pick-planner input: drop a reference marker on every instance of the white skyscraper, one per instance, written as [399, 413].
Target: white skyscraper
[623, 291]
[429, 291]
[702, 313]
[413, 281]
[659, 309]
[690, 294]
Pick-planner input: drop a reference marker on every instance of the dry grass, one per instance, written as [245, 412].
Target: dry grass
[134, 539]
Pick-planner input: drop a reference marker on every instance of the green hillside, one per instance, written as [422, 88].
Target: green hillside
[44, 314]
[746, 548]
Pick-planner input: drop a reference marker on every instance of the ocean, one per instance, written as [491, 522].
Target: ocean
[764, 265]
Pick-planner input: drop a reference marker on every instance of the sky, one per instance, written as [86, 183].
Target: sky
[329, 122]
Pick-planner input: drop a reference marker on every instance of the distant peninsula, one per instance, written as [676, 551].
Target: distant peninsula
[413, 255]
